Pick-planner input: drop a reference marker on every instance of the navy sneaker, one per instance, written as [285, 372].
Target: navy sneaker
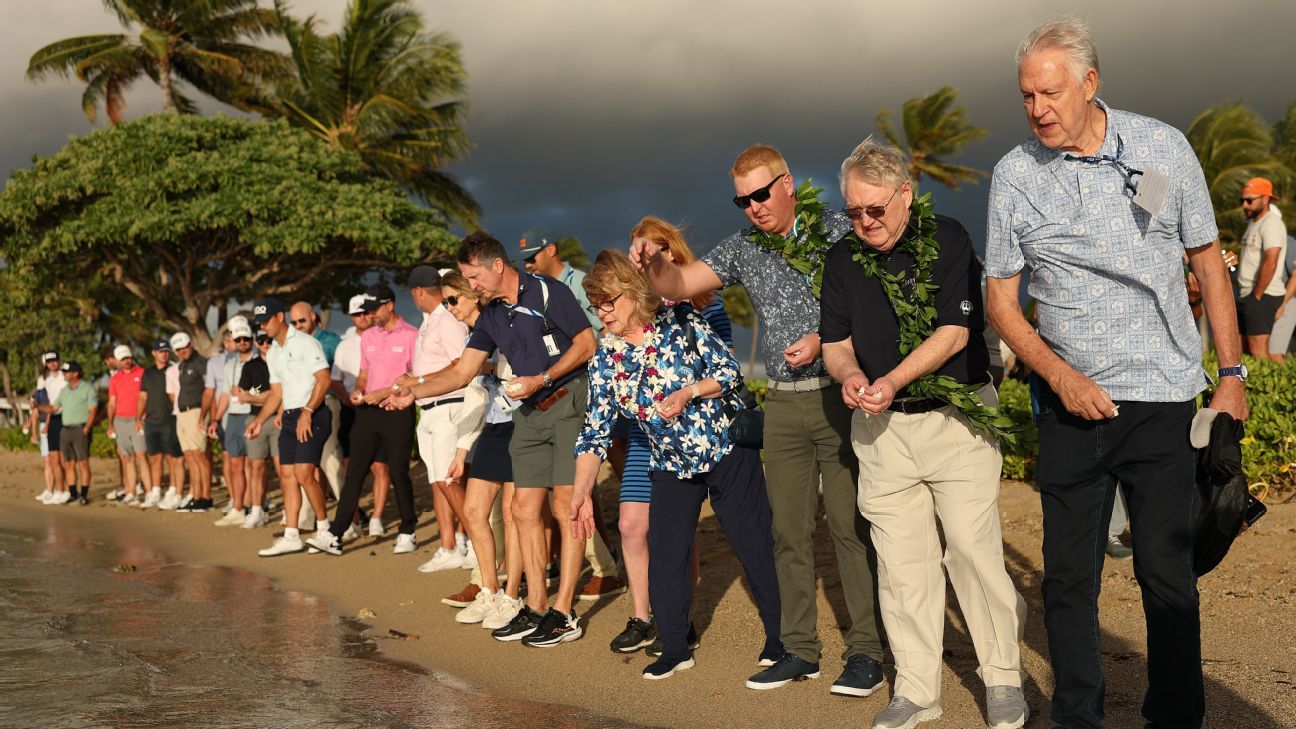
[666, 667]
[554, 628]
[655, 650]
[785, 670]
[522, 625]
[861, 677]
[770, 654]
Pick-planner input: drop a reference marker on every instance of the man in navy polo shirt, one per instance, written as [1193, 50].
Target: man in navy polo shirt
[537, 324]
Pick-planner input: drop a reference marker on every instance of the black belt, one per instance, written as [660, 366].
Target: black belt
[913, 405]
[446, 401]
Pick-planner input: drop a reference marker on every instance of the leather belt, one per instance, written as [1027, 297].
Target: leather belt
[446, 401]
[811, 384]
[552, 400]
[914, 405]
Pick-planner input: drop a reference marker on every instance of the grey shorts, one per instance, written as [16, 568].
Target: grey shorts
[130, 441]
[234, 442]
[74, 443]
[265, 445]
[544, 440]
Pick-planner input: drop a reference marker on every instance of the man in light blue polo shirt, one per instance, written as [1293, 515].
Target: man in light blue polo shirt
[299, 378]
[1101, 206]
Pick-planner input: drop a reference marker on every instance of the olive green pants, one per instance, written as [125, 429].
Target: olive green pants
[807, 436]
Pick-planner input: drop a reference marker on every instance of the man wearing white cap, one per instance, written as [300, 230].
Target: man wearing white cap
[346, 371]
[50, 425]
[194, 402]
[234, 412]
[123, 423]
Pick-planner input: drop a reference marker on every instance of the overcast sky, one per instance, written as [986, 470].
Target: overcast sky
[587, 115]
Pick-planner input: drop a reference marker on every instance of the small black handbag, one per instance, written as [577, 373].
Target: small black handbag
[746, 419]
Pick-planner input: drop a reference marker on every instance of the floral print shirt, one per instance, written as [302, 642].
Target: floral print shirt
[630, 381]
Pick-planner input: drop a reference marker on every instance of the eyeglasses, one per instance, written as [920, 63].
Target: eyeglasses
[300, 322]
[450, 301]
[873, 211]
[603, 306]
[760, 196]
[242, 339]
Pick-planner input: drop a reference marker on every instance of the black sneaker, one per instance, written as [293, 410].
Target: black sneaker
[637, 634]
[522, 625]
[200, 505]
[84, 500]
[787, 669]
[554, 628]
[861, 677]
[655, 650]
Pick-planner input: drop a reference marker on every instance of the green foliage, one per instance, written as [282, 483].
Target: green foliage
[188, 213]
[738, 305]
[101, 446]
[570, 251]
[935, 129]
[1234, 143]
[1019, 459]
[759, 388]
[1269, 447]
[198, 42]
[804, 252]
[385, 89]
[13, 439]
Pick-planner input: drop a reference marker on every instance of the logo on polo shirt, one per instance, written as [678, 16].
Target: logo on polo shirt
[966, 307]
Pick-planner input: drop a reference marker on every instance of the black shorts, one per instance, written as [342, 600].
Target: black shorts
[1256, 318]
[292, 452]
[160, 438]
[52, 436]
[74, 444]
[490, 457]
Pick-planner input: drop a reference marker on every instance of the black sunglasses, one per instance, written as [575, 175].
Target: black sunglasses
[263, 339]
[299, 322]
[450, 301]
[242, 339]
[873, 211]
[760, 196]
[1249, 200]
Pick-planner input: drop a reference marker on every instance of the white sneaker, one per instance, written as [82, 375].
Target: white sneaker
[352, 533]
[283, 545]
[254, 519]
[45, 496]
[233, 518]
[129, 500]
[62, 498]
[502, 612]
[481, 606]
[170, 501]
[324, 541]
[444, 559]
[112, 495]
[376, 527]
[404, 544]
[469, 557]
[154, 498]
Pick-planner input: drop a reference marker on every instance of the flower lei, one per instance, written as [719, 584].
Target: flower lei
[916, 314]
[805, 251]
[622, 388]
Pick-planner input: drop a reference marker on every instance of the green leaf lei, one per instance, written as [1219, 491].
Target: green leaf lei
[804, 251]
[917, 313]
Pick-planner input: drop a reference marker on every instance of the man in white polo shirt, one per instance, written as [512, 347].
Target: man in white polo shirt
[299, 377]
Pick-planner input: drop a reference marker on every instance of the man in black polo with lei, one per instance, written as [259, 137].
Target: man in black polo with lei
[902, 329]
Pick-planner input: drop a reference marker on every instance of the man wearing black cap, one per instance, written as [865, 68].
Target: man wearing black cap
[299, 377]
[538, 325]
[386, 352]
[77, 404]
[154, 412]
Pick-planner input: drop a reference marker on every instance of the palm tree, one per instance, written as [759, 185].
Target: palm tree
[385, 89]
[198, 42]
[934, 132]
[1234, 143]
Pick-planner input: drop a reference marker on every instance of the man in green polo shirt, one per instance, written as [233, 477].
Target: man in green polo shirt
[77, 404]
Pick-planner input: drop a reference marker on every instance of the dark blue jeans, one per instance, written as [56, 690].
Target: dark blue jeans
[1146, 450]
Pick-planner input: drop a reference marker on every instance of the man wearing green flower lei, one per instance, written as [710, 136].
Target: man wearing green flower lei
[902, 324]
[779, 260]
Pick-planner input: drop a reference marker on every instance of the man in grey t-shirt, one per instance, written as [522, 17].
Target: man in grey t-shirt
[807, 425]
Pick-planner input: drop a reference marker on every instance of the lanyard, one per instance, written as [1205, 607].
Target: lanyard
[520, 309]
[1130, 172]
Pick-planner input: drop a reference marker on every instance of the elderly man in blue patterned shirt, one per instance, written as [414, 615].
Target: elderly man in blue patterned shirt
[1101, 206]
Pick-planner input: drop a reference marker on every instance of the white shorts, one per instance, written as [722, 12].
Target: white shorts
[437, 437]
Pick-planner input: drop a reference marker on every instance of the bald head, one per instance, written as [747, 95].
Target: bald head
[302, 316]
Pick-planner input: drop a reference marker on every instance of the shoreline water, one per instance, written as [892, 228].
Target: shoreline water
[1246, 613]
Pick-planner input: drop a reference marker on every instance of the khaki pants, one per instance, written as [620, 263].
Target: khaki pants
[914, 468]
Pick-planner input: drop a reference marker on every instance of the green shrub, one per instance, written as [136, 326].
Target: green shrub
[13, 439]
[1015, 402]
[1269, 447]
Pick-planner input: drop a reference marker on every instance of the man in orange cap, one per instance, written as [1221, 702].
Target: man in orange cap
[1261, 273]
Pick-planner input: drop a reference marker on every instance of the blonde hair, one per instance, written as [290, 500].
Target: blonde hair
[1069, 34]
[661, 233]
[613, 274]
[759, 155]
[455, 280]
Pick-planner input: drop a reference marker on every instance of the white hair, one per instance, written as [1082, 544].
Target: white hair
[1069, 34]
[874, 162]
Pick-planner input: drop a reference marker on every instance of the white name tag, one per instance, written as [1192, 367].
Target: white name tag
[550, 345]
[1152, 190]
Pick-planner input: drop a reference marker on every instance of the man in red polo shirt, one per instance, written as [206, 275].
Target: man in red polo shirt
[123, 402]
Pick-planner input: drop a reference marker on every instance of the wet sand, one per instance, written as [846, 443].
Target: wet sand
[1248, 622]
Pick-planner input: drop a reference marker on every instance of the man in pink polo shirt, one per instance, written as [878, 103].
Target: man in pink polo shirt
[386, 352]
[123, 399]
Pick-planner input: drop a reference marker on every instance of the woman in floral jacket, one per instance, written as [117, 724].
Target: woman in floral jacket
[667, 371]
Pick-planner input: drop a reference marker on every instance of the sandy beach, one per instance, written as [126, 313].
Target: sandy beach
[1248, 622]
